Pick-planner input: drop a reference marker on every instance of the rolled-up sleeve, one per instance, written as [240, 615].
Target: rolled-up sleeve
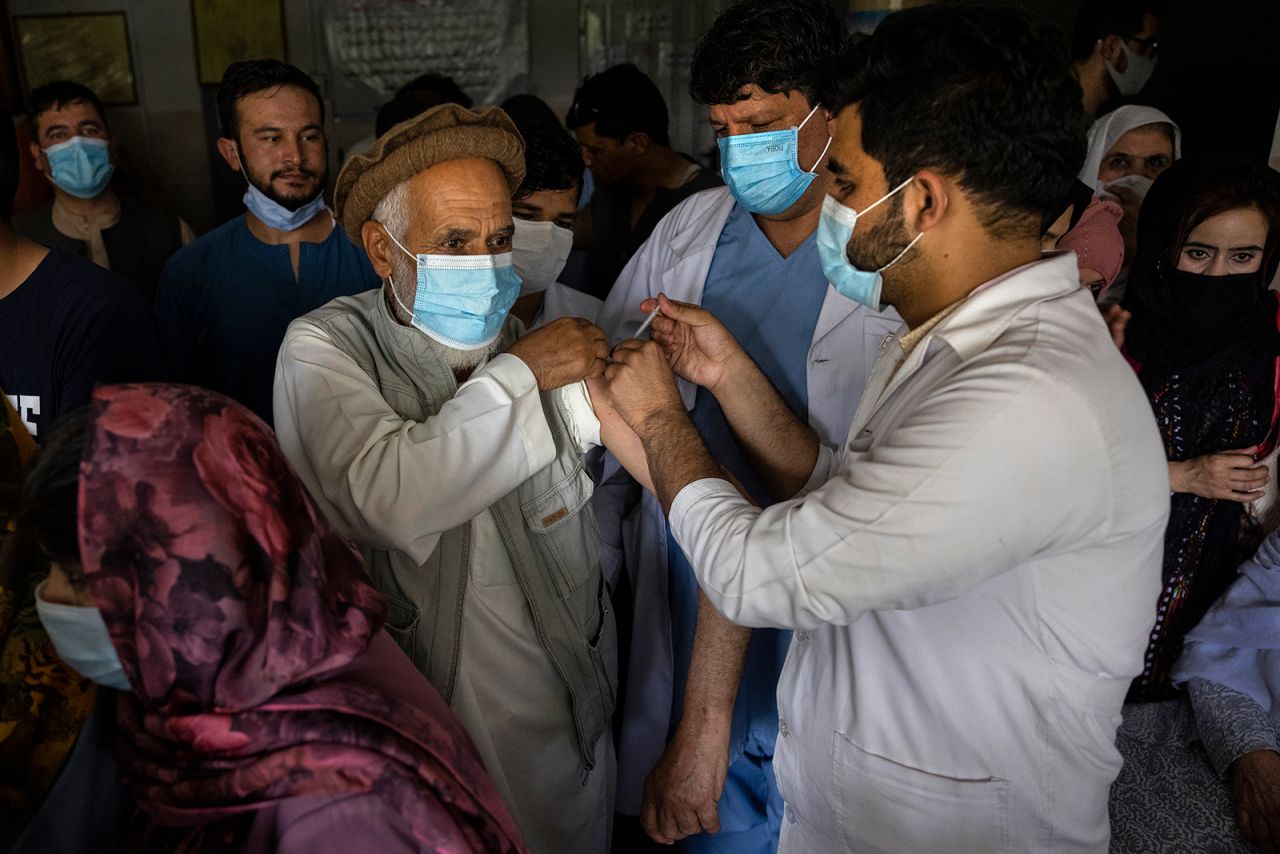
[983, 474]
[575, 402]
[395, 483]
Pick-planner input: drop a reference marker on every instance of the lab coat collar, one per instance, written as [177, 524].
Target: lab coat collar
[991, 307]
[979, 320]
[836, 307]
[693, 240]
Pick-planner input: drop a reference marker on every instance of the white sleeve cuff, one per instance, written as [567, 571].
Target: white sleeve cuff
[684, 509]
[824, 468]
[581, 415]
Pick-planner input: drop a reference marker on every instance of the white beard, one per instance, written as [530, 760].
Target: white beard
[463, 360]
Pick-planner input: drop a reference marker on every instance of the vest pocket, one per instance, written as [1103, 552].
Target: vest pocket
[884, 806]
[564, 531]
[603, 649]
[402, 625]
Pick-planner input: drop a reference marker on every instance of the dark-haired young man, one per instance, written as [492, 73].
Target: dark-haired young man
[748, 253]
[65, 324]
[970, 574]
[72, 148]
[1114, 49]
[620, 119]
[543, 211]
[225, 301]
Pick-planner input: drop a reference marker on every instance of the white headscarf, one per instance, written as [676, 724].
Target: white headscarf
[1111, 127]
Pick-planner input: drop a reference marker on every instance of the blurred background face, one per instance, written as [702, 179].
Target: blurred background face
[1145, 151]
[282, 145]
[1226, 244]
[66, 586]
[610, 160]
[78, 118]
[558, 206]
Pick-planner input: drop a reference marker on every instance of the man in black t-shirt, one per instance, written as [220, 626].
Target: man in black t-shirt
[621, 123]
[65, 323]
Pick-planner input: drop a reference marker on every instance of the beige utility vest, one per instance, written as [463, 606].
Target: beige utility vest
[546, 524]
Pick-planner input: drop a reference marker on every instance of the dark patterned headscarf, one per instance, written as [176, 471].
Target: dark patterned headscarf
[250, 633]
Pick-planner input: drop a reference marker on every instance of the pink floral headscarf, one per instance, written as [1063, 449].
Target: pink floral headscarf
[250, 633]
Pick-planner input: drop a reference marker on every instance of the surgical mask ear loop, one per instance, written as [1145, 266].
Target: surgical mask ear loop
[825, 149]
[244, 173]
[398, 244]
[903, 252]
[886, 197]
[395, 294]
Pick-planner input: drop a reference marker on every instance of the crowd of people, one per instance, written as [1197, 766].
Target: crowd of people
[902, 481]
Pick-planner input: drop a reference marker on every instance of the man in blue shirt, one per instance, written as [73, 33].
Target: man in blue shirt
[749, 255]
[225, 301]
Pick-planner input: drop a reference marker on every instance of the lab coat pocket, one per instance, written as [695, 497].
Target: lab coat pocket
[888, 807]
[565, 532]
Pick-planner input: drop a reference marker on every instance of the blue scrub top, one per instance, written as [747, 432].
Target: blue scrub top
[771, 305]
[225, 301]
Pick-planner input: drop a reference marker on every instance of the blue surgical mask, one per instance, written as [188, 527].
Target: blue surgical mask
[461, 300]
[272, 213]
[80, 166]
[80, 636]
[763, 171]
[835, 227]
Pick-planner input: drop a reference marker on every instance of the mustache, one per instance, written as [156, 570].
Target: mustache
[295, 173]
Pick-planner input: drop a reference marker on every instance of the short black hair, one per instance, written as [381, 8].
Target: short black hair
[778, 45]
[257, 75]
[403, 107]
[441, 85]
[552, 159]
[979, 92]
[1097, 19]
[620, 101]
[525, 109]
[56, 95]
[51, 489]
[10, 167]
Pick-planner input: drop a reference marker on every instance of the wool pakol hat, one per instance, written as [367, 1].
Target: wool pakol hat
[443, 133]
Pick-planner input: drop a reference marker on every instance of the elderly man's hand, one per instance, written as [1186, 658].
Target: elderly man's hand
[564, 351]
[699, 348]
[640, 384]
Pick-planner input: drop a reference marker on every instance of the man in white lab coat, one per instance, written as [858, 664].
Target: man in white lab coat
[695, 685]
[971, 576]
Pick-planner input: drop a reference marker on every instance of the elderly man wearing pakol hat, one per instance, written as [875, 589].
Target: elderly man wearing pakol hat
[449, 446]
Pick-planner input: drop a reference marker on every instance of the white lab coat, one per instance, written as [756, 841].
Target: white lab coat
[675, 260]
[560, 300]
[971, 581]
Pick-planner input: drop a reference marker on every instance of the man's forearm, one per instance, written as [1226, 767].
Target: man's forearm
[715, 671]
[780, 447]
[676, 453]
